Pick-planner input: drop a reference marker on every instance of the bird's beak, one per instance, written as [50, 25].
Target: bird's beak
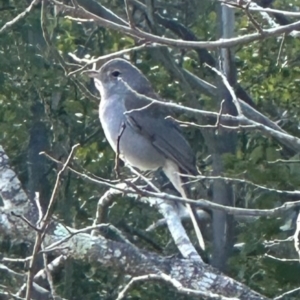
[91, 73]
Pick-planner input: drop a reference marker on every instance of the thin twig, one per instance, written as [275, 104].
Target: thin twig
[16, 260]
[245, 181]
[44, 223]
[252, 20]
[284, 161]
[280, 49]
[296, 235]
[53, 247]
[138, 34]
[20, 16]
[26, 221]
[64, 65]
[281, 259]
[282, 296]
[133, 170]
[75, 3]
[39, 207]
[47, 272]
[129, 14]
[107, 57]
[282, 136]
[117, 160]
[229, 88]
[201, 203]
[255, 7]
[219, 114]
[101, 181]
[57, 183]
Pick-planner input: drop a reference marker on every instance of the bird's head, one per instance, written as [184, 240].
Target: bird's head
[115, 74]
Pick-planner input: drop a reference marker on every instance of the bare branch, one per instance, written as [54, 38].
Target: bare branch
[129, 14]
[230, 179]
[224, 43]
[172, 219]
[281, 259]
[201, 203]
[230, 89]
[282, 296]
[175, 283]
[20, 16]
[108, 56]
[254, 7]
[296, 235]
[44, 224]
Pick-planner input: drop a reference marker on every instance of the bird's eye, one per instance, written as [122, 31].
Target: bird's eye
[115, 73]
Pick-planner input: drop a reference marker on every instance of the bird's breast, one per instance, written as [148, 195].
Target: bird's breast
[111, 114]
[134, 148]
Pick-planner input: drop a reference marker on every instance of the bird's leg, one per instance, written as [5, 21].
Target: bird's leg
[172, 172]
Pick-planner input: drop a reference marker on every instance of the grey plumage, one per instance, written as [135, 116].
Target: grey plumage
[148, 141]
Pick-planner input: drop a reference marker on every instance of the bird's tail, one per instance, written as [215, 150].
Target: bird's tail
[172, 172]
[196, 227]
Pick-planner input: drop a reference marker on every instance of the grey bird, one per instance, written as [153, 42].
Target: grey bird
[136, 128]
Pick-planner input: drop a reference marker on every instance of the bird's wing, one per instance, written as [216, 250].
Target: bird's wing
[148, 119]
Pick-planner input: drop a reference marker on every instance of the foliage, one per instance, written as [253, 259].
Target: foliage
[35, 90]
